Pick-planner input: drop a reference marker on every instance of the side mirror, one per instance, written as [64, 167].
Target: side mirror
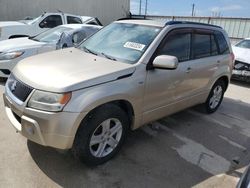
[42, 24]
[165, 62]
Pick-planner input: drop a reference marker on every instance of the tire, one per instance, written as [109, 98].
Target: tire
[64, 46]
[93, 140]
[215, 97]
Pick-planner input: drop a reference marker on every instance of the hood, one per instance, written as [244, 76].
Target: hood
[242, 54]
[18, 44]
[4, 24]
[68, 70]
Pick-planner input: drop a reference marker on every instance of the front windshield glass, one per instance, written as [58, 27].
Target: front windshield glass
[30, 22]
[51, 35]
[244, 44]
[121, 41]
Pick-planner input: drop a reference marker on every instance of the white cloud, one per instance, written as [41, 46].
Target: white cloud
[226, 8]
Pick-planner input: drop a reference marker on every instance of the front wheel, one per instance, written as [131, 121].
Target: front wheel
[215, 97]
[101, 134]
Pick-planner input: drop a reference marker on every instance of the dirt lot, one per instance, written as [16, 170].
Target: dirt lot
[188, 149]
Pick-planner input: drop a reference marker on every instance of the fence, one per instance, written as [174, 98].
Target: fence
[237, 28]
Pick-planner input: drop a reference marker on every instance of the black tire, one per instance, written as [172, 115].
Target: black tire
[64, 46]
[207, 104]
[81, 148]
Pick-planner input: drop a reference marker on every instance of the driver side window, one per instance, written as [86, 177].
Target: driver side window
[78, 37]
[177, 44]
[51, 21]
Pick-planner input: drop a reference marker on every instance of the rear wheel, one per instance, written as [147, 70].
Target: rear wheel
[215, 97]
[101, 134]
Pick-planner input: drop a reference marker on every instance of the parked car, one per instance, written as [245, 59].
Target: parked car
[245, 179]
[128, 74]
[242, 60]
[26, 28]
[14, 50]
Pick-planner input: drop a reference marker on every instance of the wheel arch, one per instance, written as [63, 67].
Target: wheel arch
[17, 36]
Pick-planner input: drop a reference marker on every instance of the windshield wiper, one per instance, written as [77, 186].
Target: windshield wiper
[109, 57]
[89, 51]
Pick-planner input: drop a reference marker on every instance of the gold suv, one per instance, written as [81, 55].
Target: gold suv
[128, 74]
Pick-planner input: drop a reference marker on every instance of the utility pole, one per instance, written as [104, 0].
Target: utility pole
[140, 8]
[193, 6]
[146, 8]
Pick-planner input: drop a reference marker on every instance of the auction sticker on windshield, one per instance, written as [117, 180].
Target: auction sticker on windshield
[134, 45]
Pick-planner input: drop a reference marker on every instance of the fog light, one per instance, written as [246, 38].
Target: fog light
[29, 129]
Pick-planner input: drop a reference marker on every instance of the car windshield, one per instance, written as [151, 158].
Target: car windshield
[51, 35]
[30, 22]
[244, 44]
[121, 41]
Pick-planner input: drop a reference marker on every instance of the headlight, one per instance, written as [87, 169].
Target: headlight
[47, 101]
[10, 55]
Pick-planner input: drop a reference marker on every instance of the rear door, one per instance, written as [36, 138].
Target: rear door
[205, 60]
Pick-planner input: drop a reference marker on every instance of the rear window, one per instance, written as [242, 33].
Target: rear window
[223, 46]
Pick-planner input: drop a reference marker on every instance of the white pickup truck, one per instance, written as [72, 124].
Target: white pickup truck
[24, 28]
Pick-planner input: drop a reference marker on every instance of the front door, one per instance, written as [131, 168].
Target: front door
[166, 89]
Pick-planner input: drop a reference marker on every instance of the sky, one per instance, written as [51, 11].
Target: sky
[227, 8]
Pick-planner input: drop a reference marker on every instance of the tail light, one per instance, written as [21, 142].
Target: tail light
[233, 59]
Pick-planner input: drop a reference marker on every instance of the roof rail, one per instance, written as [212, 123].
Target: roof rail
[139, 18]
[187, 22]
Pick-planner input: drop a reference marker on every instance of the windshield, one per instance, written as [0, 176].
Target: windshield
[244, 44]
[121, 41]
[30, 22]
[51, 35]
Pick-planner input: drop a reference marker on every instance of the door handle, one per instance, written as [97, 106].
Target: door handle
[188, 70]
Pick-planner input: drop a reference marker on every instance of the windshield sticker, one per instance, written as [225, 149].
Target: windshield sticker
[134, 45]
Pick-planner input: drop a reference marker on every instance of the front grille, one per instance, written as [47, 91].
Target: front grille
[239, 65]
[18, 89]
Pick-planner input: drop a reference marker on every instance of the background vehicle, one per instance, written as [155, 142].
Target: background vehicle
[242, 60]
[14, 50]
[26, 28]
[130, 73]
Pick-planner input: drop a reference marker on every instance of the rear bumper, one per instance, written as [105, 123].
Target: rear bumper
[46, 128]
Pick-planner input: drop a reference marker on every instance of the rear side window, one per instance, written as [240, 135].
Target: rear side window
[178, 45]
[73, 20]
[223, 46]
[78, 37]
[204, 45]
[201, 46]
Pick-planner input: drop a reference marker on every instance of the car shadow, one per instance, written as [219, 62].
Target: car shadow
[241, 83]
[182, 150]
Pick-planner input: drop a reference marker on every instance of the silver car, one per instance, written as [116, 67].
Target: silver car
[128, 74]
[14, 50]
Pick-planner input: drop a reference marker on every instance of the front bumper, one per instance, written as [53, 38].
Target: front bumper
[46, 128]
[241, 75]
